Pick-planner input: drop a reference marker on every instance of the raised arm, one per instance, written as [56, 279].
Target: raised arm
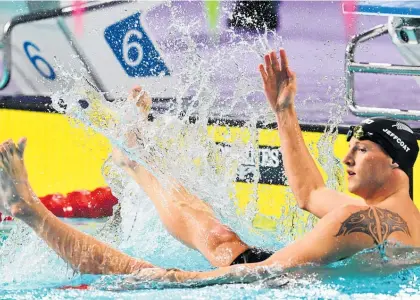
[302, 173]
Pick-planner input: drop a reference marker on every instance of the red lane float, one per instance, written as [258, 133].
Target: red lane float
[6, 218]
[78, 287]
[79, 204]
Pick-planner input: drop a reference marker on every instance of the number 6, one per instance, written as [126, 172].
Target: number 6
[35, 59]
[130, 45]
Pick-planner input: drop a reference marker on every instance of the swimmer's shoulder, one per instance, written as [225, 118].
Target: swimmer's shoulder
[411, 215]
[372, 222]
[343, 212]
[404, 220]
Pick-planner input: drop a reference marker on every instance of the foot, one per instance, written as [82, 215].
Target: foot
[16, 196]
[142, 99]
[144, 103]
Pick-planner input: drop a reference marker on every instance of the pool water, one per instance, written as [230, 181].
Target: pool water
[367, 274]
[30, 270]
[400, 284]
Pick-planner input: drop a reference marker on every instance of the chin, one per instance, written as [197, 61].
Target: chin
[353, 189]
[359, 192]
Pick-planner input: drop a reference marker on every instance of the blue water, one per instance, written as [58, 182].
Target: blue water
[367, 274]
[32, 271]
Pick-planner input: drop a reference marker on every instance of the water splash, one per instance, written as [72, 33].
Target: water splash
[169, 144]
[27, 260]
[173, 147]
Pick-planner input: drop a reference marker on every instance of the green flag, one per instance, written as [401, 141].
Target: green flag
[212, 10]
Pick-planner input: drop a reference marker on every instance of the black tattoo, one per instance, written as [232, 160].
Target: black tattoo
[378, 223]
[391, 222]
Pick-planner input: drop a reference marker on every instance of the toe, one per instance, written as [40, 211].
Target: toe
[7, 145]
[135, 91]
[21, 146]
[8, 148]
[3, 148]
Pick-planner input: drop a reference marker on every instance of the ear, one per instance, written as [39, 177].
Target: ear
[394, 165]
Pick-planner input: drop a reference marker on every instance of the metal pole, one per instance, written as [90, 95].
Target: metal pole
[38, 16]
[352, 67]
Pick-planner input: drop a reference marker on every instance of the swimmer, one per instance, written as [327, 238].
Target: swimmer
[381, 155]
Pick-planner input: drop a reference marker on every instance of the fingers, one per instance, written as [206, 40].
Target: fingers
[283, 59]
[274, 61]
[268, 66]
[272, 64]
[264, 74]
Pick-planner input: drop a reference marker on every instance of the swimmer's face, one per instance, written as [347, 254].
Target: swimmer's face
[368, 167]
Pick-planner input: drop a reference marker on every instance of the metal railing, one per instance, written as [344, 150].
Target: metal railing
[6, 43]
[352, 67]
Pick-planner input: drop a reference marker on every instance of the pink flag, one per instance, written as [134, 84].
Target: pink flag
[349, 7]
[78, 10]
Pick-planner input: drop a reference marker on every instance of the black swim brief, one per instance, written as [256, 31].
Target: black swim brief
[252, 255]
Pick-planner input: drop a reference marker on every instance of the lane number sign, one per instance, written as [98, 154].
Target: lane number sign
[32, 51]
[133, 48]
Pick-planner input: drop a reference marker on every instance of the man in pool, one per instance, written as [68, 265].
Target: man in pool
[382, 153]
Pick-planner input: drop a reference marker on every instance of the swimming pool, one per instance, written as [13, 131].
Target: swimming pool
[356, 278]
[32, 270]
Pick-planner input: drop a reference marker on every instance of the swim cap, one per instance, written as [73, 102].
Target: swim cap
[396, 138]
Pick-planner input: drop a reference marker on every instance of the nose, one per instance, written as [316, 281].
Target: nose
[348, 159]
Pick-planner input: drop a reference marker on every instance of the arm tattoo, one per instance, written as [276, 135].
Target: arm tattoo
[376, 222]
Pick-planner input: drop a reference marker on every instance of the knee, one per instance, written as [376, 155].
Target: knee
[220, 234]
[224, 246]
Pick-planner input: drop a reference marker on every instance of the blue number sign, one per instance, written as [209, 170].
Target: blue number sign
[134, 49]
[36, 59]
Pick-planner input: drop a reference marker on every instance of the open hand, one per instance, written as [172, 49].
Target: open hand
[279, 81]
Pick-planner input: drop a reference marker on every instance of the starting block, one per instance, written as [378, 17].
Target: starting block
[404, 28]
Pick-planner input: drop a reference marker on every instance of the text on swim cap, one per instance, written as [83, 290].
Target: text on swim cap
[397, 139]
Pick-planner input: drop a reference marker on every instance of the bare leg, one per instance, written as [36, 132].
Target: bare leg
[185, 216]
[83, 252]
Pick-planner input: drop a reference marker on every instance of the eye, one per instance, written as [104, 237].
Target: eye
[362, 150]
